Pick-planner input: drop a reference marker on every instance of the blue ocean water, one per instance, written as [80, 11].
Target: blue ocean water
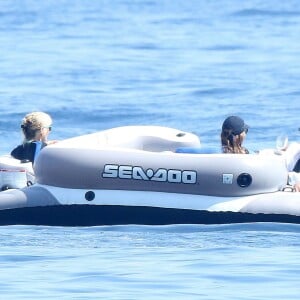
[94, 65]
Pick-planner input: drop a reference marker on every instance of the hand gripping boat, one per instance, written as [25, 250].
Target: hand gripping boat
[148, 175]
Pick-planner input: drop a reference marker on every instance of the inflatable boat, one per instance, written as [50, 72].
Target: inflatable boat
[146, 175]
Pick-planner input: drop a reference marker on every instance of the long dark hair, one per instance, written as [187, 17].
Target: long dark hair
[232, 143]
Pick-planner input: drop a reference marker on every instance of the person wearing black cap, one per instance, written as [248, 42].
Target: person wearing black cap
[233, 133]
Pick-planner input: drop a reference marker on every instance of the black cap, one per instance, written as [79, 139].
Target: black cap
[236, 124]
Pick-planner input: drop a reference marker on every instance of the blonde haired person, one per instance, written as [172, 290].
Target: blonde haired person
[36, 127]
[234, 131]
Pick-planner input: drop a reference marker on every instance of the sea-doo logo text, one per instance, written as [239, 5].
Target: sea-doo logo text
[138, 173]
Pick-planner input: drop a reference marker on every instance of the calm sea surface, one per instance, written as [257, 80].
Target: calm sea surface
[98, 64]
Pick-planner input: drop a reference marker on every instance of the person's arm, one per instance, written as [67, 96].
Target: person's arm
[18, 152]
[24, 152]
[297, 186]
[294, 180]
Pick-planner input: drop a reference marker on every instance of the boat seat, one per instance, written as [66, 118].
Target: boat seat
[198, 150]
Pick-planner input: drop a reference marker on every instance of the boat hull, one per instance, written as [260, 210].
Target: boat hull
[39, 205]
[92, 215]
[147, 175]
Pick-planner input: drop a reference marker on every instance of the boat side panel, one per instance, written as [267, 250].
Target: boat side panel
[282, 202]
[202, 174]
